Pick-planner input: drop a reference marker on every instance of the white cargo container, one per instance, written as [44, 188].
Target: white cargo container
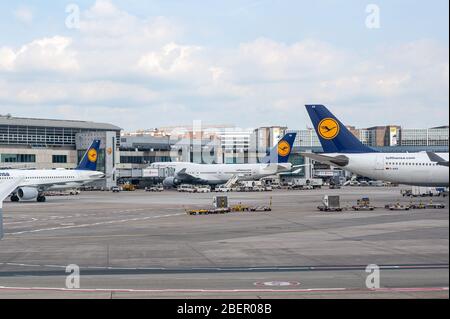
[418, 191]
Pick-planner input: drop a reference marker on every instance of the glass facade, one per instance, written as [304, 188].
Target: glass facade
[59, 159]
[235, 141]
[39, 136]
[407, 137]
[18, 158]
[305, 138]
[425, 137]
[367, 137]
[143, 159]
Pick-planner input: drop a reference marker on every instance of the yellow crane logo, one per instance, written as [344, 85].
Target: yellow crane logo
[329, 128]
[284, 148]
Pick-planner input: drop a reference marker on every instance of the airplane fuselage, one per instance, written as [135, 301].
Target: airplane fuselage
[401, 168]
[51, 179]
[217, 174]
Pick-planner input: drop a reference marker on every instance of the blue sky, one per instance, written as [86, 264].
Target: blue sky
[225, 23]
[256, 50]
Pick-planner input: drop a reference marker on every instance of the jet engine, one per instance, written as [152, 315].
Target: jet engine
[27, 193]
[171, 182]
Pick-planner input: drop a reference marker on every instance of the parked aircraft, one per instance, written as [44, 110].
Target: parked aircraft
[342, 149]
[217, 174]
[35, 182]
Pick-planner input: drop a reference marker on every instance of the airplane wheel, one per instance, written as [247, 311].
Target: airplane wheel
[41, 199]
[15, 198]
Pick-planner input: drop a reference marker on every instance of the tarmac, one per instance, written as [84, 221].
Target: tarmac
[144, 245]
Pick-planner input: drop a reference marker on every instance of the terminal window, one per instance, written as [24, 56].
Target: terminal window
[18, 158]
[60, 159]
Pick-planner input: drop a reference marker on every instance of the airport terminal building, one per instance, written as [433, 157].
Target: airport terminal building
[51, 144]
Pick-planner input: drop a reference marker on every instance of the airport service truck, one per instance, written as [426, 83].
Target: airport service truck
[307, 183]
[330, 204]
[418, 191]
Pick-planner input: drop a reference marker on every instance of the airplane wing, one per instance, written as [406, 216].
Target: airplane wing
[300, 166]
[183, 175]
[6, 188]
[45, 186]
[437, 159]
[340, 160]
[275, 168]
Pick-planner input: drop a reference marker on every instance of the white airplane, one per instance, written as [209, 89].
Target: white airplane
[218, 174]
[342, 149]
[35, 182]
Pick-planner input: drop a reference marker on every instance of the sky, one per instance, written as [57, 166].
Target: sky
[145, 64]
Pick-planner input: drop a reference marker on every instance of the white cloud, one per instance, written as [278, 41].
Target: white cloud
[143, 69]
[82, 93]
[172, 59]
[47, 54]
[7, 58]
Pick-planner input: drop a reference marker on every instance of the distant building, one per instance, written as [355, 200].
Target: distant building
[437, 136]
[390, 136]
[48, 144]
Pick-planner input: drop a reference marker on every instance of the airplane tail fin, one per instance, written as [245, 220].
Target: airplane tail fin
[281, 152]
[333, 135]
[90, 158]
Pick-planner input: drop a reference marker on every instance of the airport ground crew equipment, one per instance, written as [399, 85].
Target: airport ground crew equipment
[398, 206]
[128, 188]
[240, 208]
[215, 211]
[262, 208]
[221, 206]
[220, 201]
[331, 204]
[363, 205]
[430, 205]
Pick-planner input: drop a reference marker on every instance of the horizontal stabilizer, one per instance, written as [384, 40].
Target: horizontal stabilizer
[437, 159]
[340, 160]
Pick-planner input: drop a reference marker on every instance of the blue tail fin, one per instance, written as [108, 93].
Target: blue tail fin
[90, 158]
[281, 152]
[333, 135]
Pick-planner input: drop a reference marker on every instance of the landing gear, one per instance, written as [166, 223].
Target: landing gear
[15, 198]
[41, 199]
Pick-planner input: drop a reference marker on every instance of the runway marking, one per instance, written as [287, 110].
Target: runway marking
[52, 218]
[92, 225]
[21, 222]
[139, 270]
[305, 290]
